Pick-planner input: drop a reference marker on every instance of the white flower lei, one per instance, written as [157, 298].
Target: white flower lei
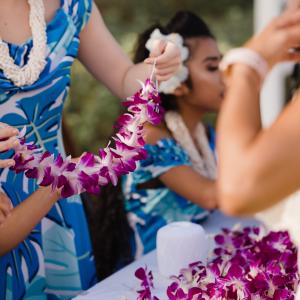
[204, 163]
[29, 73]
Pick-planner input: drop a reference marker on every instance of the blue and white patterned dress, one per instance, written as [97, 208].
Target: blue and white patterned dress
[55, 261]
[149, 209]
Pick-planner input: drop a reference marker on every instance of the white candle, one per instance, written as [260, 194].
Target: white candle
[179, 244]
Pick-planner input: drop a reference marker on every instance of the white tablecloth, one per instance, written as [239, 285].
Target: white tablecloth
[123, 285]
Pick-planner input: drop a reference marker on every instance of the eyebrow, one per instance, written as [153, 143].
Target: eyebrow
[212, 58]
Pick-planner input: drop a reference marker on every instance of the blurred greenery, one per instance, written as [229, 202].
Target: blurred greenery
[91, 110]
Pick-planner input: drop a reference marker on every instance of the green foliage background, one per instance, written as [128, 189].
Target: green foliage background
[91, 110]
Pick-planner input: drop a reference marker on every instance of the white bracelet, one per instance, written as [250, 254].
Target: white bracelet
[248, 57]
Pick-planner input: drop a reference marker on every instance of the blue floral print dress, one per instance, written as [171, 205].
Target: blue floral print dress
[55, 261]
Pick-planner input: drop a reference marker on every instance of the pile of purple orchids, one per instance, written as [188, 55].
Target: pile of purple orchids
[244, 265]
[91, 171]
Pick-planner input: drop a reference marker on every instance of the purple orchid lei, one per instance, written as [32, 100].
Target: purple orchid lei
[245, 266]
[91, 171]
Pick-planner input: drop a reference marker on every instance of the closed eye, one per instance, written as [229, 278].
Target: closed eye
[213, 68]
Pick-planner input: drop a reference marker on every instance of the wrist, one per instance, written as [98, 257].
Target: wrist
[245, 73]
[247, 57]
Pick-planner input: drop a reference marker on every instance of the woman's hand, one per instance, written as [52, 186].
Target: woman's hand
[112, 66]
[8, 140]
[280, 40]
[167, 57]
[293, 4]
[5, 207]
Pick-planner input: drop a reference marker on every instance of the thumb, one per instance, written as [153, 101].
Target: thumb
[159, 48]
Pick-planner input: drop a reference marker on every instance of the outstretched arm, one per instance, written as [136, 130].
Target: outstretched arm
[258, 167]
[107, 62]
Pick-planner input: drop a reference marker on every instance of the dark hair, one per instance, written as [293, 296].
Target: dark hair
[188, 25]
[109, 226]
[109, 230]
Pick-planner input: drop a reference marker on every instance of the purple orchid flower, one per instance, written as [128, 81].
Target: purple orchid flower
[92, 172]
[243, 268]
[146, 279]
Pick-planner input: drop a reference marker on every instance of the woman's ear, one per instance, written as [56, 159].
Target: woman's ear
[182, 90]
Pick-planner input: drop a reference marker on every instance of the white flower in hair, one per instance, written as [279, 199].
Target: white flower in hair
[169, 86]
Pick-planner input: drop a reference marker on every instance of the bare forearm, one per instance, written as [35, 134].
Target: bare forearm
[203, 193]
[25, 217]
[240, 114]
[207, 195]
[259, 167]
[238, 128]
[136, 72]
[109, 64]
[254, 163]
[190, 185]
[121, 81]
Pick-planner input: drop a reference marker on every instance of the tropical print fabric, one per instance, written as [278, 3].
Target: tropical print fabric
[148, 209]
[55, 261]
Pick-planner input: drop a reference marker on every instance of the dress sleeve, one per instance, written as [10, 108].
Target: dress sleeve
[79, 11]
[163, 156]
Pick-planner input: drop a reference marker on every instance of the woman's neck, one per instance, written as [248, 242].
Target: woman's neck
[191, 117]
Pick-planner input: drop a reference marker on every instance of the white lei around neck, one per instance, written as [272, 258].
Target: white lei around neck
[204, 163]
[29, 73]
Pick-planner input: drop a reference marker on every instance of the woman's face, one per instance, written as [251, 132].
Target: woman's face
[207, 87]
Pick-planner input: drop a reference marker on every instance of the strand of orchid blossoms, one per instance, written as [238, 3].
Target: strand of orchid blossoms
[246, 265]
[91, 171]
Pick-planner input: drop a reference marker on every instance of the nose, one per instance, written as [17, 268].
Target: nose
[222, 85]
[221, 81]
